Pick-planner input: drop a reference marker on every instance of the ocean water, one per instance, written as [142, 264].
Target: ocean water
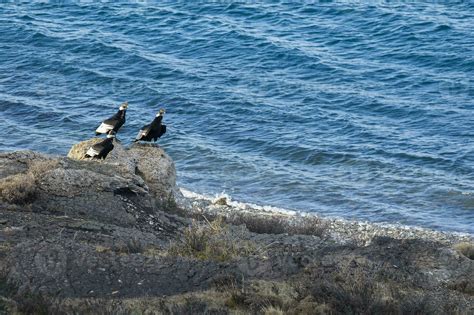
[360, 110]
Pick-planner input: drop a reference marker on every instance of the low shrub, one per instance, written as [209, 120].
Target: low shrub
[272, 310]
[168, 204]
[272, 224]
[308, 225]
[34, 304]
[260, 224]
[207, 240]
[18, 189]
[132, 246]
[38, 168]
[466, 249]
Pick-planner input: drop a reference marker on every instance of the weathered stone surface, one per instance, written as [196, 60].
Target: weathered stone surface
[149, 161]
[94, 232]
[17, 162]
[156, 168]
[109, 192]
[119, 155]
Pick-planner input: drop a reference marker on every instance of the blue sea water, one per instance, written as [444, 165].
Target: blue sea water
[361, 110]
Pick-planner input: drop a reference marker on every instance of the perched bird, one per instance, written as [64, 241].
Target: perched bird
[115, 122]
[154, 130]
[101, 149]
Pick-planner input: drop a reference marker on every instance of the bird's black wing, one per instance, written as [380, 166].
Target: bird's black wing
[107, 149]
[95, 150]
[143, 132]
[113, 120]
[162, 131]
[99, 146]
[109, 124]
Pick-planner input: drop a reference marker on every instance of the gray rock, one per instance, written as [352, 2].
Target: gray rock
[149, 161]
[18, 162]
[119, 155]
[156, 168]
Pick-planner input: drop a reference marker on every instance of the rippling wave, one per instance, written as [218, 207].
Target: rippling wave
[350, 109]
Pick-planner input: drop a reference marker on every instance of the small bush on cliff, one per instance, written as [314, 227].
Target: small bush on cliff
[272, 310]
[38, 168]
[210, 241]
[169, 205]
[18, 189]
[34, 304]
[260, 224]
[466, 249]
[309, 225]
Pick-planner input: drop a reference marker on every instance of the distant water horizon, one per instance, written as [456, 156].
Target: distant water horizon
[345, 109]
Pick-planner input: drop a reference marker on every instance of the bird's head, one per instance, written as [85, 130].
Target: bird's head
[124, 106]
[111, 134]
[161, 112]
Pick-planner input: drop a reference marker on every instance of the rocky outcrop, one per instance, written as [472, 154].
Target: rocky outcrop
[106, 192]
[149, 161]
[80, 236]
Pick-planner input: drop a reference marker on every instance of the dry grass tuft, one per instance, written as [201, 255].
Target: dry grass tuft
[18, 189]
[466, 249]
[38, 168]
[168, 204]
[262, 297]
[272, 310]
[102, 249]
[132, 246]
[34, 304]
[260, 224]
[210, 241]
[153, 252]
[308, 225]
[274, 224]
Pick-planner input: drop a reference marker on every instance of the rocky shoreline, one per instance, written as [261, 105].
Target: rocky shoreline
[340, 230]
[119, 237]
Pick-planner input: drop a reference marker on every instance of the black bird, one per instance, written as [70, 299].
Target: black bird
[154, 130]
[101, 149]
[115, 122]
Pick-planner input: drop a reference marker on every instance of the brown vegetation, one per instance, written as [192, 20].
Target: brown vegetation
[169, 205]
[39, 168]
[18, 189]
[274, 224]
[21, 188]
[206, 240]
[466, 249]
